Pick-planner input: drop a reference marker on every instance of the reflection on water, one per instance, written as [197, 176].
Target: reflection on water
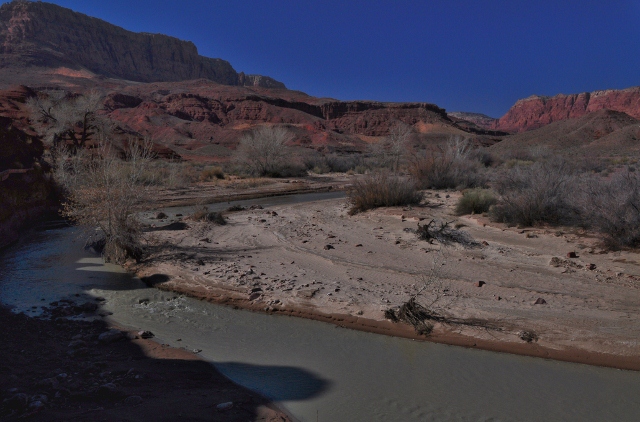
[316, 370]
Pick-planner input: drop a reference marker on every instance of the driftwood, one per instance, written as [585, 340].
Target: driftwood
[444, 233]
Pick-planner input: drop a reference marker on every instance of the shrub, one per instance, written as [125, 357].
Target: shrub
[211, 173]
[536, 193]
[381, 189]
[447, 167]
[106, 192]
[613, 207]
[203, 214]
[263, 152]
[475, 201]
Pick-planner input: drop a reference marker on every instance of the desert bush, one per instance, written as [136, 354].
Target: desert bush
[104, 191]
[475, 201]
[264, 152]
[448, 166]
[203, 214]
[382, 189]
[211, 173]
[537, 193]
[612, 206]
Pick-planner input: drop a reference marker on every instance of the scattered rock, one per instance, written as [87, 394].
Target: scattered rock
[480, 283]
[161, 215]
[17, 402]
[256, 207]
[133, 400]
[255, 295]
[359, 245]
[591, 267]
[222, 407]
[306, 293]
[273, 213]
[328, 247]
[485, 243]
[145, 334]
[571, 255]
[110, 336]
[528, 336]
[108, 390]
[540, 301]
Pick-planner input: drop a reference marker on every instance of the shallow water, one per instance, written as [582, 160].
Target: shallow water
[315, 370]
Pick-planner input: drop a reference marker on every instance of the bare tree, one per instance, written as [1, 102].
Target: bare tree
[264, 150]
[447, 166]
[106, 192]
[68, 119]
[389, 152]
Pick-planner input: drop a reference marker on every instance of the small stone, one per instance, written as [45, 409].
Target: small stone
[222, 407]
[17, 402]
[480, 283]
[107, 390]
[254, 296]
[591, 267]
[571, 255]
[540, 301]
[485, 243]
[328, 247]
[133, 400]
[359, 245]
[161, 215]
[110, 336]
[145, 334]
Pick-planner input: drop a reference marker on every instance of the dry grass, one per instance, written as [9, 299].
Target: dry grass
[382, 189]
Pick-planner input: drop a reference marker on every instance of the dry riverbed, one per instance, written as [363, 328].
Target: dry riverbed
[544, 292]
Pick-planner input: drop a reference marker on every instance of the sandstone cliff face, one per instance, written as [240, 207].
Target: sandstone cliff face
[534, 112]
[46, 35]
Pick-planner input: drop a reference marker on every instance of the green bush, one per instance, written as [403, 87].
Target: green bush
[475, 201]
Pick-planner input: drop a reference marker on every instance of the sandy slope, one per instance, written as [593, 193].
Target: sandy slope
[315, 260]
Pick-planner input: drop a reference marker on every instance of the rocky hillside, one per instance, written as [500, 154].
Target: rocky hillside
[202, 118]
[535, 111]
[38, 34]
[600, 133]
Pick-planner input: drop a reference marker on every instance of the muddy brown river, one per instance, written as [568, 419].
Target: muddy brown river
[316, 371]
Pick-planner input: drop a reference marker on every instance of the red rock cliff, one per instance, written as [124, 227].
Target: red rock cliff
[534, 112]
[46, 35]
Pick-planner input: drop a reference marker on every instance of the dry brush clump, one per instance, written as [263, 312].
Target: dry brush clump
[202, 213]
[612, 207]
[449, 166]
[542, 192]
[105, 192]
[382, 189]
[264, 152]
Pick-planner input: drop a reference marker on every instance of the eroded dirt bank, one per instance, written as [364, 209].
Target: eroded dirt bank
[314, 260]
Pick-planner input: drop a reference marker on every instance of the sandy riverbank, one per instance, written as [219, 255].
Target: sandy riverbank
[314, 260]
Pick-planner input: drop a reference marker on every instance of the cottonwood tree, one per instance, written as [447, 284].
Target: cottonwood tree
[105, 192]
[72, 120]
[264, 150]
[390, 151]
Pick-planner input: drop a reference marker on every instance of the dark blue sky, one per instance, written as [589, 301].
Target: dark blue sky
[466, 55]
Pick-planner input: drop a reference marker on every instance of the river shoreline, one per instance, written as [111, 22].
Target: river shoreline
[308, 260]
[440, 335]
